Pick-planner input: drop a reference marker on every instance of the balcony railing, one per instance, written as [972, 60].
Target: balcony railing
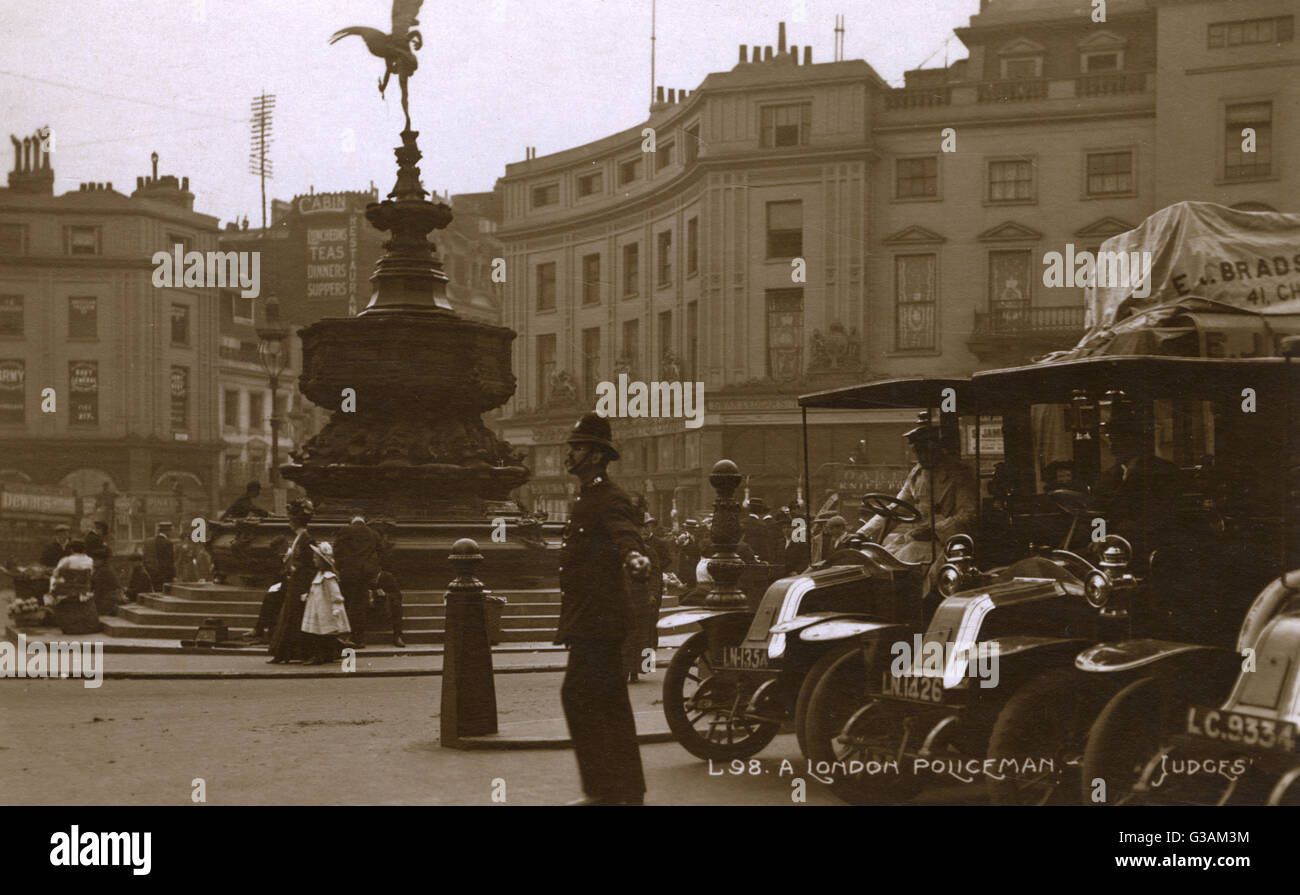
[918, 97]
[1027, 321]
[1111, 83]
[244, 355]
[1017, 90]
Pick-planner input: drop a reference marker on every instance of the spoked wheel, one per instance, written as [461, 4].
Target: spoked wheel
[705, 710]
[1125, 737]
[1037, 744]
[847, 734]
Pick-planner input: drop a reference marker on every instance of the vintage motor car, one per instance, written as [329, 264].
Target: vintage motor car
[992, 686]
[1193, 723]
[734, 684]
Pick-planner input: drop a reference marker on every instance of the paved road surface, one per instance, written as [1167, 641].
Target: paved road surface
[330, 741]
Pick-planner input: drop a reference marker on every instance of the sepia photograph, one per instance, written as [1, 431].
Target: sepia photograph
[659, 403]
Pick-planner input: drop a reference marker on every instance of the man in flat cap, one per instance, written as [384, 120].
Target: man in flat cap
[602, 542]
[941, 488]
[58, 548]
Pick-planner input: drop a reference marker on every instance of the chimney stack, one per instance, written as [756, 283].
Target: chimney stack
[807, 55]
[758, 53]
[659, 94]
[794, 53]
[744, 54]
[767, 53]
[780, 38]
[672, 94]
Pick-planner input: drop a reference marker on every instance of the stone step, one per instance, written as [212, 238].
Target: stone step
[115, 627]
[231, 608]
[152, 617]
[226, 594]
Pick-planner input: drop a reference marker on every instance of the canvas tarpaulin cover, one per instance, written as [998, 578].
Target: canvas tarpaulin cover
[1247, 261]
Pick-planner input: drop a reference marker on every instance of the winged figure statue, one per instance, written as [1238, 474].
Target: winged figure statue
[396, 49]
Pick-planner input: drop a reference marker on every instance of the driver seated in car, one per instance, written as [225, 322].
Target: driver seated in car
[1139, 494]
[938, 472]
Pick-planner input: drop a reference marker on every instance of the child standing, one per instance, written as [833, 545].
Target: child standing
[324, 618]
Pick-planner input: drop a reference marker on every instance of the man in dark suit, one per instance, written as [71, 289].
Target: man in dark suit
[58, 548]
[161, 556]
[244, 506]
[356, 553]
[1139, 493]
[601, 543]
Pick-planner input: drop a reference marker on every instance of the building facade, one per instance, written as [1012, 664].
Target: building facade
[919, 218]
[110, 381]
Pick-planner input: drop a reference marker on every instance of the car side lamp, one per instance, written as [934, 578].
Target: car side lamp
[1111, 578]
[958, 570]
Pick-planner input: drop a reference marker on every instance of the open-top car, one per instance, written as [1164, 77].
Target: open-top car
[733, 685]
[1116, 491]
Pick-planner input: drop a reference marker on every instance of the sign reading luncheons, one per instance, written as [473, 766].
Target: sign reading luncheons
[13, 388]
[83, 392]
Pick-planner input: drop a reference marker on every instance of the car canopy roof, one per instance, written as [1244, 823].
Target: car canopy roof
[889, 394]
[1138, 375]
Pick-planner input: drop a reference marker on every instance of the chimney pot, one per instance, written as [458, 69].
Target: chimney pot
[807, 55]
[794, 53]
[780, 38]
[744, 53]
[139, 183]
[153, 157]
[659, 94]
[110, 185]
[758, 53]
[672, 94]
[185, 184]
[767, 53]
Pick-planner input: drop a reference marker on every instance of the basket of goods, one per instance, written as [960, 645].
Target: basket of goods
[29, 581]
[28, 612]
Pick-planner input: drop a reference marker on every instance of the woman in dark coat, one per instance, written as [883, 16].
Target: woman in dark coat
[288, 643]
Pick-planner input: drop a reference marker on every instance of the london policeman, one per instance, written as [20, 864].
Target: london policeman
[601, 542]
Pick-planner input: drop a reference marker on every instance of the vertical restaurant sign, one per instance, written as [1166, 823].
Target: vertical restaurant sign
[83, 392]
[180, 395]
[331, 250]
[13, 391]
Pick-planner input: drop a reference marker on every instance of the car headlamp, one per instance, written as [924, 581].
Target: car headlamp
[1096, 589]
[950, 578]
[1116, 554]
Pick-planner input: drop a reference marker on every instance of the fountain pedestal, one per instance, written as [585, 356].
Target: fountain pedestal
[407, 381]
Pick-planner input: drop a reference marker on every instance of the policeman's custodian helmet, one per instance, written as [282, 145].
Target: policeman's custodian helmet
[594, 429]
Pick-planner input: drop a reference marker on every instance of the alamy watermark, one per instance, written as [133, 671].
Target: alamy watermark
[1123, 270]
[76, 659]
[179, 269]
[653, 399]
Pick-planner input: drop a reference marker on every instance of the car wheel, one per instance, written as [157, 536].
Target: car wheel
[1124, 738]
[1037, 743]
[842, 740]
[815, 673]
[705, 710]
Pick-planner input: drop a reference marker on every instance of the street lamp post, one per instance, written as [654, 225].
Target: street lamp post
[274, 359]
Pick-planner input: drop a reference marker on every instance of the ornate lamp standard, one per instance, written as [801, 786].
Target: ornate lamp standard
[274, 358]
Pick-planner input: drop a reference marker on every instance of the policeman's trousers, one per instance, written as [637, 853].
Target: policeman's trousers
[600, 720]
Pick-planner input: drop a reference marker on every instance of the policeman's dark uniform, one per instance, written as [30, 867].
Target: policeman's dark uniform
[601, 533]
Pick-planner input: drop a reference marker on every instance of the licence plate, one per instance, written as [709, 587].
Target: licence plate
[748, 658]
[1245, 730]
[919, 689]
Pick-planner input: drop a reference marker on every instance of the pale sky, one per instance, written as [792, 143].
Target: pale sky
[119, 79]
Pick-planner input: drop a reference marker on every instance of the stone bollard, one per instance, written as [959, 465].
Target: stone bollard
[469, 700]
[726, 567]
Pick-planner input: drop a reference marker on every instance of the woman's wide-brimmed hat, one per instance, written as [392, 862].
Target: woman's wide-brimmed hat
[594, 429]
